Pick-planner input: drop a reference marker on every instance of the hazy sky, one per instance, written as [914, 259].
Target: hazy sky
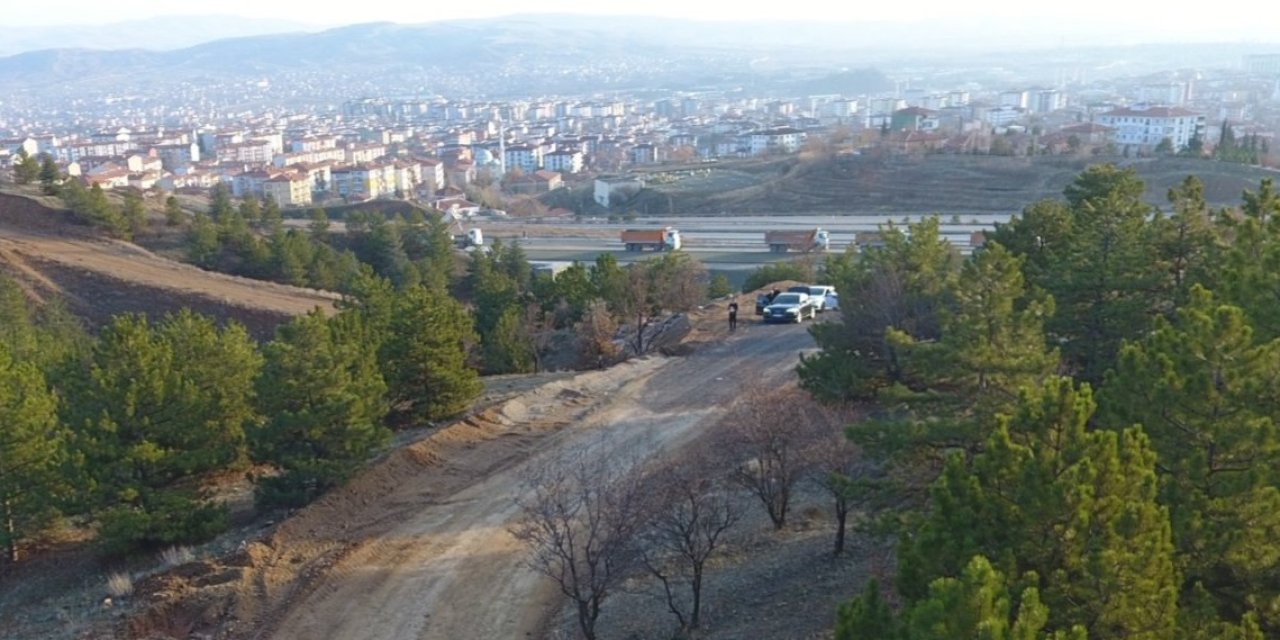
[1224, 19]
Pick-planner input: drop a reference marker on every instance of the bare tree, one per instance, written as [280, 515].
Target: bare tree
[688, 515]
[581, 513]
[837, 465]
[767, 435]
[674, 282]
[596, 332]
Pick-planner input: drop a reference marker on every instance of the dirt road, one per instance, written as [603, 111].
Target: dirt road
[447, 567]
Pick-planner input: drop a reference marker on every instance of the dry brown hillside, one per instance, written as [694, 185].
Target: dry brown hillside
[52, 256]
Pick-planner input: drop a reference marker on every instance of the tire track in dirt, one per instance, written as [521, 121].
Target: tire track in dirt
[450, 568]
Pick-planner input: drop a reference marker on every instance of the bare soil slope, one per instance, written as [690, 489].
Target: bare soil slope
[418, 546]
[52, 256]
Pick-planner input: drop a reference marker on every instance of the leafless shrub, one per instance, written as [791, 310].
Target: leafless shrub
[581, 513]
[836, 464]
[687, 515]
[767, 437]
[596, 332]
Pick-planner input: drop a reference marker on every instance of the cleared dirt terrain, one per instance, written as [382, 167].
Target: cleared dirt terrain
[52, 257]
[418, 546]
[448, 567]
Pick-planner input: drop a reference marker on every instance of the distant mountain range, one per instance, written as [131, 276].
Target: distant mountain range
[158, 34]
[545, 54]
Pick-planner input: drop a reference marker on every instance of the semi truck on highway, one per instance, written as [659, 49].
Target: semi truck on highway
[804, 240]
[667, 239]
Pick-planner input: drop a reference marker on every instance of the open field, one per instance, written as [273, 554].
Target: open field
[51, 256]
[944, 184]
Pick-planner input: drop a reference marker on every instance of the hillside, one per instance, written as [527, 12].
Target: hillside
[53, 257]
[943, 184]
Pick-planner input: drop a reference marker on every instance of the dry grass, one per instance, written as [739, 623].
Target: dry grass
[119, 584]
[176, 556]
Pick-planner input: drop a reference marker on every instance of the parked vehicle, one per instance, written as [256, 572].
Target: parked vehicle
[667, 239]
[817, 292]
[790, 307]
[472, 238]
[804, 241]
[765, 299]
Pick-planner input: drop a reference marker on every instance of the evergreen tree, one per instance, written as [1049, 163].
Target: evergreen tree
[324, 399]
[425, 356]
[173, 215]
[507, 347]
[1246, 272]
[32, 450]
[26, 169]
[50, 175]
[900, 286]
[1076, 508]
[867, 617]
[156, 408]
[203, 247]
[220, 206]
[1184, 241]
[271, 217]
[251, 211]
[1206, 392]
[135, 214]
[319, 225]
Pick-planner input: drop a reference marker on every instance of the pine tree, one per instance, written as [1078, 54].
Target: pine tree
[157, 408]
[1076, 508]
[26, 169]
[425, 356]
[1184, 242]
[271, 217]
[220, 205]
[324, 399]
[1206, 392]
[867, 617]
[251, 211]
[32, 450]
[203, 246]
[135, 214]
[319, 225]
[900, 286]
[173, 215]
[50, 175]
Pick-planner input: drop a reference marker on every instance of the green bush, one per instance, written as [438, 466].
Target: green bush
[777, 271]
[167, 519]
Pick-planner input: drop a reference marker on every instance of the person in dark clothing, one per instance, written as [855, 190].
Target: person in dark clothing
[773, 294]
[733, 315]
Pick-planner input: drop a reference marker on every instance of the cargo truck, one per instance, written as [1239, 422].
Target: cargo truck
[667, 239]
[804, 240]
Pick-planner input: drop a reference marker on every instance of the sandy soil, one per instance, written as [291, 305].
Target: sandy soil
[418, 547]
[51, 256]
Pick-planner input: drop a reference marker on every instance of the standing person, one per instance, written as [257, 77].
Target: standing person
[733, 315]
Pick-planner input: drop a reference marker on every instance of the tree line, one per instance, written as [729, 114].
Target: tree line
[126, 430]
[1074, 432]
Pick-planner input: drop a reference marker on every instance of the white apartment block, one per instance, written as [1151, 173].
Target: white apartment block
[564, 161]
[317, 156]
[252, 152]
[1016, 99]
[288, 189]
[1145, 127]
[361, 153]
[526, 158]
[1047, 101]
[781, 139]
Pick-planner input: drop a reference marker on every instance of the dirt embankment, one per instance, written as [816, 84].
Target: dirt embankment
[419, 545]
[51, 256]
